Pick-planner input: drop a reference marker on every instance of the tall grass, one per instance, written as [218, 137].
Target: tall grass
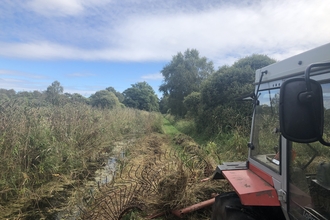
[186, 126]
[223, 146]
[231, 146]
[40, 144]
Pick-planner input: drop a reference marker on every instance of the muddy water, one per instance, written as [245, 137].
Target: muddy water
[80, 197]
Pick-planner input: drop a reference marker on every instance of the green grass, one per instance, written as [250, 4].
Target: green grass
[225, 146]
[169, 129]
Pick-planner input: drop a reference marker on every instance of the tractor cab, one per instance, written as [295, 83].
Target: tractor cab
[291, 127]
[288, 167]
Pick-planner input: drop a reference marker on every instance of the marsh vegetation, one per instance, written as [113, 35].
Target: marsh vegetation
[45, 149]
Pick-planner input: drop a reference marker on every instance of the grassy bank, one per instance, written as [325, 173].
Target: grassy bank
[223, 146]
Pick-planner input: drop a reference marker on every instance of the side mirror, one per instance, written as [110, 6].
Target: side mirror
[301, 110]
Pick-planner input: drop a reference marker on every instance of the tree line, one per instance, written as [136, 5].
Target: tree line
[140, 96]
[192, 89]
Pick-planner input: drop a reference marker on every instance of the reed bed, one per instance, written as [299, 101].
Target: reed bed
[39, 145]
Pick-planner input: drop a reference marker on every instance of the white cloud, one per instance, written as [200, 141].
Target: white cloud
[22, 74]
[31, 82]
[20, 84]
[223, 33]
[57, 8]
[49, 50]
[37, 50]
[23, 81]
[259, 28]
[156, 76]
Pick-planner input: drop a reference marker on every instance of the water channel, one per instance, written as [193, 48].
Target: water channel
[80, 196]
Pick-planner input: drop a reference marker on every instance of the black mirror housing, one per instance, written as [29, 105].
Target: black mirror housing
[301, 111]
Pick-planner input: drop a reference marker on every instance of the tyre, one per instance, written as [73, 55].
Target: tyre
[238, 215]
[228, 206]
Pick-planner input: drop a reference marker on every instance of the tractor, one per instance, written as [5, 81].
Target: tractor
[287, 173]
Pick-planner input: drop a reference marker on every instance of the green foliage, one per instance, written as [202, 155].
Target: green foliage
[134, 214]
[163, 104]
[186, 126]
[3, 98]
[182, 76]
[141, 96]
[169, 128]
[192, 103]
[220, 111]
[53, 93]
[34, 98]
[10, 93]
[211, 100]
[228, 147]
[74, 98]
[119, 95]
[215, 114]
[222, 147]
[104, 99]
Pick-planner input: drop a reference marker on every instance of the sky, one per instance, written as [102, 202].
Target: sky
[89, 45]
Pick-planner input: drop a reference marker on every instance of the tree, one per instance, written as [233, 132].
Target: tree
[53, 93]
[230, 82]
[192, 103]
[163, 104]
[141, 96]
[38, 98]
[220, 110]
[76, 97]
[7, 94]
[119, 95]
[3, 98]
[104, 99]
[182, 76]
[11, 93]
[24, 97]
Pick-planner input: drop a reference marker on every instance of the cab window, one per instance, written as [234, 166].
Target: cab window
[266, 136]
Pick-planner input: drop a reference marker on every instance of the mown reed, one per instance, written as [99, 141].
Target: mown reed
[158, 179]
[39, 145]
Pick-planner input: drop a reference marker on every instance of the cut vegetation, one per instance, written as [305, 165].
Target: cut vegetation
[162, 173]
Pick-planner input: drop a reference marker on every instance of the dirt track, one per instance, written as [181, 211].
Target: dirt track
[158, 175]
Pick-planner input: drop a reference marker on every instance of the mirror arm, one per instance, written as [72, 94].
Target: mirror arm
[308, 95]
[308, 71]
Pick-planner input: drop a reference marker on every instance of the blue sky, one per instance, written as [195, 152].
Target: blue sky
[88, 45]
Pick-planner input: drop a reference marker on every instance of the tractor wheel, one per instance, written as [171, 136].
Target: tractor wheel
[228, 206]
[235, 215]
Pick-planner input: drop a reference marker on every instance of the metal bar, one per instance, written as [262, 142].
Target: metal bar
[181, 212]
[206, 179]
